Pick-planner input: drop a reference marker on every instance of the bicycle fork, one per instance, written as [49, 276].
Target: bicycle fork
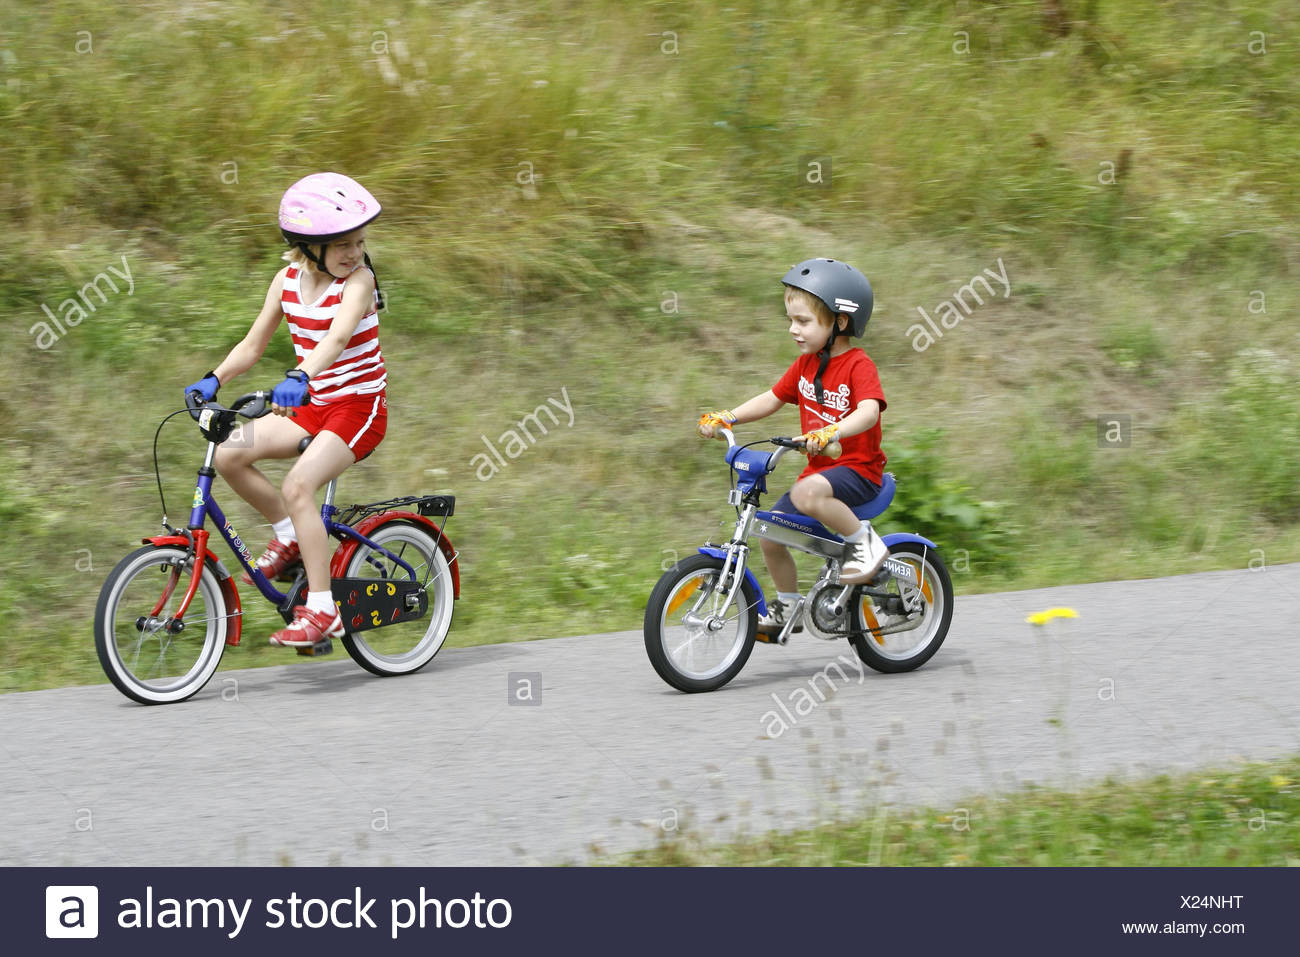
[733, 570]
[195, 540]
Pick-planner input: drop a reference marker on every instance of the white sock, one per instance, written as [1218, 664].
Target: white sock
[283, 530]
[859, 535]
[321, 601]
[789, 598]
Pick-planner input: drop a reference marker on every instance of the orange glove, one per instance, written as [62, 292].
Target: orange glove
[816, 441]
[710, 422]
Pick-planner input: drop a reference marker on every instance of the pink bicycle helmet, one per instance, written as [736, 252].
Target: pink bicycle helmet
[322, 207]
[325, 206]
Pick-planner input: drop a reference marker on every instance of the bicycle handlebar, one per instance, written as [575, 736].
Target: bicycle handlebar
[260, 401]
[832, 451]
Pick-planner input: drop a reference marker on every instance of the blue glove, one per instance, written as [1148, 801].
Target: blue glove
[207, 387]
[292, 392]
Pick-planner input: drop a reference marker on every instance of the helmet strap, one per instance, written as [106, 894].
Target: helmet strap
[320, 264]
[318, 260]
[379, 296]
[826, 360]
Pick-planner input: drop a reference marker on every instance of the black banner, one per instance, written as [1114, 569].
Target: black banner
[666, 911]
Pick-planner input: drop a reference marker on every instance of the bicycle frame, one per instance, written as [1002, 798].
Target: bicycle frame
[197, 536]
[753, 469]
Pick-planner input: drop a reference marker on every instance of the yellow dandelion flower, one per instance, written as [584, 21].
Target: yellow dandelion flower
[1043, 617]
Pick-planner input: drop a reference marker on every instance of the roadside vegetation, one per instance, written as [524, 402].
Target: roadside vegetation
[1230, 817]
[596, 200]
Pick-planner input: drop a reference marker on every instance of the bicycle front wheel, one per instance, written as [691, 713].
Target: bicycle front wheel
[146, 653]
[408, 646]
[693, 642]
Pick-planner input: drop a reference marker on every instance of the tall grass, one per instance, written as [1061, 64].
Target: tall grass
[1243, 816]
[599, 197]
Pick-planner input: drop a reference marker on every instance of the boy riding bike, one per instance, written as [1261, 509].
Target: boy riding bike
[335, 394]
[840, 400]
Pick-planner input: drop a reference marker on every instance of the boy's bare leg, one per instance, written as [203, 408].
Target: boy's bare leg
[326, 458]
[274, 437]
[814, 496]
[780, 565]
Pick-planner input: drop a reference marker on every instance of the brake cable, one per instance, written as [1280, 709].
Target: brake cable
[158, 475]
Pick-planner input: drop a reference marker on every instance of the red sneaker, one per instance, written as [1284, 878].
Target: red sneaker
[308, 628]
[275, 560]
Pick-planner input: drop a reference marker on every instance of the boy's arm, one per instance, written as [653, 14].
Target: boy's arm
[250, 348]
[760, 406]
[866, 415]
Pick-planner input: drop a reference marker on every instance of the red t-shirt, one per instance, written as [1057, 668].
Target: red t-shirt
[850, 380]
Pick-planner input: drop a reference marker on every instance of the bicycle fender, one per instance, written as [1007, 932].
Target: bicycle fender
[339, 564]
[749, 575]
[894, 538]
[234, 614]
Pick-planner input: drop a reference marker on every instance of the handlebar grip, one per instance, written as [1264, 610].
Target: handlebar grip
[833, 451]
[259, 402]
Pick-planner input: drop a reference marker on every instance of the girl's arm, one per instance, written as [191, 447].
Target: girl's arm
[250, 349]
[358, 299]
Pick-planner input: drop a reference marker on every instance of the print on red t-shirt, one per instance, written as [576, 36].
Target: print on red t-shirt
[850, 380]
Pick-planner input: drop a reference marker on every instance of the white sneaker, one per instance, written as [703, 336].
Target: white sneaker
[772, 624]
[863, 559]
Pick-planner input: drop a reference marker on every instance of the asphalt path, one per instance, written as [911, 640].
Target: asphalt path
[321, 763]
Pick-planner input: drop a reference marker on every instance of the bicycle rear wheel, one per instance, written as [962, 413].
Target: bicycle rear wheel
[141, 649]
[891, 651]
[404, 647]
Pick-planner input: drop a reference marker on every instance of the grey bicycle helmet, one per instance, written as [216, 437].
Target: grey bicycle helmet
[844, 290]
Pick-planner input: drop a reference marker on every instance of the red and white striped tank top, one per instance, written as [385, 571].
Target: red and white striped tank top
[359, 369]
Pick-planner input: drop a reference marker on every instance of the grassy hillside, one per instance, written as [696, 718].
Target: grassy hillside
[595, 201]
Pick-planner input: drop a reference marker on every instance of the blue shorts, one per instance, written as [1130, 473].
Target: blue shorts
[847, 484]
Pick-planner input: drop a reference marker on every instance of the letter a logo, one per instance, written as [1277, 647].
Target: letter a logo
[71, 911]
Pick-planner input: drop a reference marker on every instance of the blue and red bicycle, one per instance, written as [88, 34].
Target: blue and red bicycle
[168, 610]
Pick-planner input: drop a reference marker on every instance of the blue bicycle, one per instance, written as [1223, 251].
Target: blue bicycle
[702, 618]
[168, 610]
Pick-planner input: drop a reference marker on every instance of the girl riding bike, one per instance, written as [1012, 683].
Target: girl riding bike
[334, 398]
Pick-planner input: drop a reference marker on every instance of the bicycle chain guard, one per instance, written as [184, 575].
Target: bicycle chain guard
[366, 603]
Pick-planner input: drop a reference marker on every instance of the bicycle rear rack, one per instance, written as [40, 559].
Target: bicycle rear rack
[439, 506]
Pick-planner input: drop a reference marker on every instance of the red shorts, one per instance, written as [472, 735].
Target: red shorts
[360, 421]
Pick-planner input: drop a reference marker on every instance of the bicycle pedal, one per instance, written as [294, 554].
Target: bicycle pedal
[324, 647]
